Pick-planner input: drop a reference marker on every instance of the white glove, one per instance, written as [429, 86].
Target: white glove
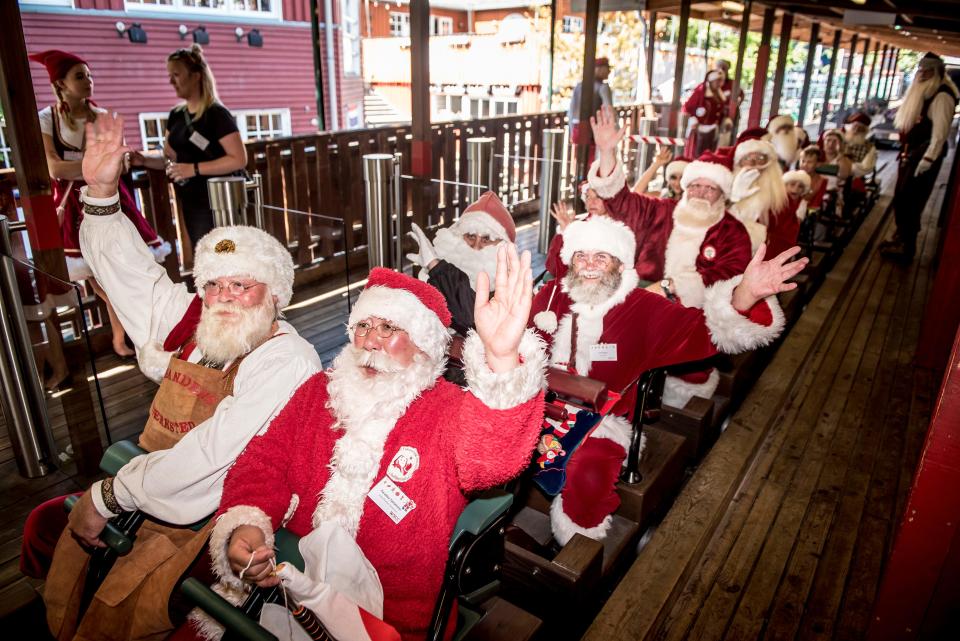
[802, 210]
[923, 167]
[743, 185]
[427, 254]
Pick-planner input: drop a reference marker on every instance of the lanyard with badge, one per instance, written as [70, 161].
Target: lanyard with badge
[196, 137]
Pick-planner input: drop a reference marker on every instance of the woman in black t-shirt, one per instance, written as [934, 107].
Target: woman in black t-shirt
[202, 139]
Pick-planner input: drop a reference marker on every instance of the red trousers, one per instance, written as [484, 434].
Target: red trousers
[41, 532]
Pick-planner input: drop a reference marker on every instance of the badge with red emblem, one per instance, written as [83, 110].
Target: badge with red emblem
[405, 462]
[709, 252]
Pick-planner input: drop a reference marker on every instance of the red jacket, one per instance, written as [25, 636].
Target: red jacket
[707, 109]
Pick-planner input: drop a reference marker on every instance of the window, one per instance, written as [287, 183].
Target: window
[4, 147]
[257, 124]
[460, 107]
[350, 30]
[257, 8]
[152, 129]
[400, 25]
[440, 26]
[572, 24]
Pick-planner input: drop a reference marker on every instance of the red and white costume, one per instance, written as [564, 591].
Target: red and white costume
[647, 331]
[707, 109]
[756, 203]
[314, 466]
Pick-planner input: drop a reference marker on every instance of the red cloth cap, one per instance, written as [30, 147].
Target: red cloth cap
[492, 206]
[57, 62]
[601, 62]
[858, 116]
[429, 295]
[756, 133]
[716, 157]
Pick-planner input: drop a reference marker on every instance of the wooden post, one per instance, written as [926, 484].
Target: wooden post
[808, 71]
[847, 72]
[651, 51]
[786, 26]
[837, 35]
[738, 70]
[317, 65]
[863, 67]
[553, 44]
[706, 49]
[586, 91]
[421, 150]
[882, 77]
[681, 54]
[873, 68]
[763, 62]
[892, 73]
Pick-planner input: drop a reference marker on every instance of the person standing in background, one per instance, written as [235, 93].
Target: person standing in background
[601, 97]
[202, 139]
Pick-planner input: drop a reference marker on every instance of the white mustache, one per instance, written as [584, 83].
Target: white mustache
[378, 361]
[590, 273]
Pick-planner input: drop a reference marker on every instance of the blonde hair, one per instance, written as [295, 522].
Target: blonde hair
[194, 61]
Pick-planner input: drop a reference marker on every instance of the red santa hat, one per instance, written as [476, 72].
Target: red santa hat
[858, 117]
[755, 140]
[57, 62]
[487, 217]
[712, 167]
[409, 303]
[599, 234]
[677, 166]
[239, 250]
[780, 120]
[797, 175]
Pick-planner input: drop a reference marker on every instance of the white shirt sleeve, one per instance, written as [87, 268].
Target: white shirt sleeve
[184, 483]
[46, 120]
[142, 294]
[866, 165]
[941, 114]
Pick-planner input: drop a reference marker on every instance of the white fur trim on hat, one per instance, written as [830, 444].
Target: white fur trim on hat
[677, 166]
[599, 234]
[406, 311]
[731, 331]
[714, 172]
[239, 250]
[754, 146]
[778, 121]
[480, 223]
[797, 175]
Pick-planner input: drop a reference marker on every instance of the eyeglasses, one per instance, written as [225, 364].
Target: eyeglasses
[235, 288]
[384, 330]
[698, 188]
[602, 259]
[754, 160]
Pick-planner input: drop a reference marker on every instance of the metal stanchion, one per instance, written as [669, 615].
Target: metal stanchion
[648, 127]
[24, 404]
[378, 174]
[399, 212]
[479, 166]
[683, 119]
[228, 200]
[551, 171]
[255, 185]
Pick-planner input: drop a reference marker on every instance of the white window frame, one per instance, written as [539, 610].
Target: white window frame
[49, 3]
[4, 145]
[241, 117]
[225, 9]
[441, 25]
[399, 24]
[350, 34]
[572, 24]
[161, 127]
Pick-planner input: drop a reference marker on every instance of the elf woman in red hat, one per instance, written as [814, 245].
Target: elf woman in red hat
[62, 127]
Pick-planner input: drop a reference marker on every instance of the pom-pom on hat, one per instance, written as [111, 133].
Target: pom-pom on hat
[712, 167]
[409, 303]
[797, 176]
[239, 250]
[599, 234]
[487, 216]
[57, 62]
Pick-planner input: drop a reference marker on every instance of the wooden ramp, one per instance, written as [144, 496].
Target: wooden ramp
[783, 531]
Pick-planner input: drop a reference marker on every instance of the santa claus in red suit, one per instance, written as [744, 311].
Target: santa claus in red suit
[384, 451]
[706, 108]
[461, 251]
[613, 331]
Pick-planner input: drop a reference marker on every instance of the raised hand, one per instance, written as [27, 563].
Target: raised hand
[426, 255]
[103, 155]
[765, 278]
[500, 321]
[606, 134]
[744, 185]
[663, 157]
[562, 213]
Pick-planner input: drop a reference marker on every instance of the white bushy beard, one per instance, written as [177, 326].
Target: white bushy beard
[698, 212]
[787, 144]
[223, 340]
[451, 247]
[771, 197]
[854, 138]
[357, 398]
[913, 101]
[592, 292]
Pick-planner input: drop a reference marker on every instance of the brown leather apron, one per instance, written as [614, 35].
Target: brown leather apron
[131, 603]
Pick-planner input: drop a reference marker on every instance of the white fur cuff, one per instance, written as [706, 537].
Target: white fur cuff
[688, 286]
[731, 331]
[678, 392]
[507, 389]
[153, 361]
[611, 185]
[564, 528]
[220, 538]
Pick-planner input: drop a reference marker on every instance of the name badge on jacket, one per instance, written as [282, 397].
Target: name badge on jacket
[603, 352]
[391, 499]
[197, 139]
